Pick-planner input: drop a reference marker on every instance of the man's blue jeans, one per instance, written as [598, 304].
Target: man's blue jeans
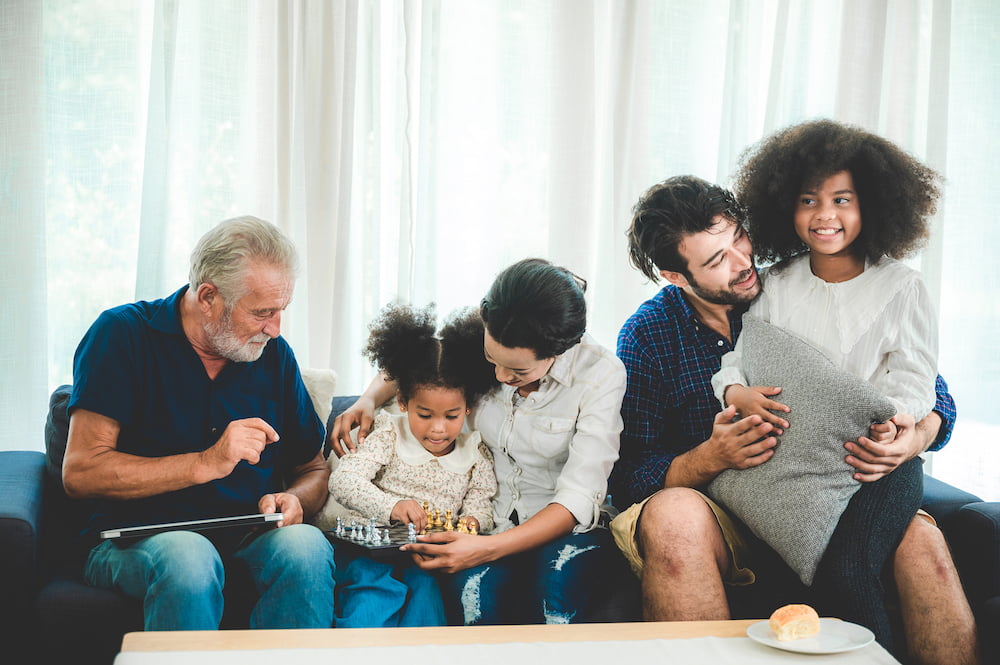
[179, 577]
[373, 594]
[554, 583]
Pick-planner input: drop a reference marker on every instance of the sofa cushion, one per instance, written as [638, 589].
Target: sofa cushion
[56, 432]
[794, 501]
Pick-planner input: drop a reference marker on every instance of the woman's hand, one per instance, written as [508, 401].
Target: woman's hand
[361, 414]
[878, 455]
[451, 551]
[757, 401]
[409, 511]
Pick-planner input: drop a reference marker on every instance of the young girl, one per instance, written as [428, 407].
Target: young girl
[835, 207]
[419, 456]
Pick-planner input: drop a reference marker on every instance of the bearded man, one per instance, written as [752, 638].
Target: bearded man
[193, 407]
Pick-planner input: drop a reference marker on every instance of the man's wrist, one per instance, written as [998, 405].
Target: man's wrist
[929, 431]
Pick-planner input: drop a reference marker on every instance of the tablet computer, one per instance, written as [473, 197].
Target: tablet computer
[192, 525]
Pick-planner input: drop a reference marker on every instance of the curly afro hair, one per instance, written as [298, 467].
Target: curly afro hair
[897, 194]
[403, 344]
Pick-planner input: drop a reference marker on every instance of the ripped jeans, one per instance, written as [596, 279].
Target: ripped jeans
[554, 583]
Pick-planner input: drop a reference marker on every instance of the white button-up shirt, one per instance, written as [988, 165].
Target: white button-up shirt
[560, 444]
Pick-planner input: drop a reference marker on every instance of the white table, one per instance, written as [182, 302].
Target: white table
[715, 642]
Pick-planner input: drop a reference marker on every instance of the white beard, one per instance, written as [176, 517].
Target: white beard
[227, 345]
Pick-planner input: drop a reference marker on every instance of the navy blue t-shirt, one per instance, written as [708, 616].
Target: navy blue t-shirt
[136, 366]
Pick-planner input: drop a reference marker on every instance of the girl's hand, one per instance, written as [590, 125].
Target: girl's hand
[873, 459]
[407, 511]
[757, 401]
[883, 432]
[450, 551]
[360, 414]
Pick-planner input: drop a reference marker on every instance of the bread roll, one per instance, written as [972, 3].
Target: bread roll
[793, 622]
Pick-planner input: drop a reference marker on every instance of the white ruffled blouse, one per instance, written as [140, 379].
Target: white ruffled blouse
[879, 326]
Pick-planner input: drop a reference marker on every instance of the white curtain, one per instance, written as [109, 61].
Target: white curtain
[413, 148]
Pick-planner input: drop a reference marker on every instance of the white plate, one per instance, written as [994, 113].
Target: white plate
[833, 637]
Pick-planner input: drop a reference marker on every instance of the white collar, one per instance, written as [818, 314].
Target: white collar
[462, 457]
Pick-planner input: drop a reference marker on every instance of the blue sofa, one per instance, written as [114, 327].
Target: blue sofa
[49, 615]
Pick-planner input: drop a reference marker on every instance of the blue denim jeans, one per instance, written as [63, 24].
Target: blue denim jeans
[373, 594]
[179, 577]
[554, 583]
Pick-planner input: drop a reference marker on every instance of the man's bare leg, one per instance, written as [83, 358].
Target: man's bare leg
[684, 558]
[937, 620]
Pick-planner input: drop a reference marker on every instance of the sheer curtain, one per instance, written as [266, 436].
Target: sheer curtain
[413, 149]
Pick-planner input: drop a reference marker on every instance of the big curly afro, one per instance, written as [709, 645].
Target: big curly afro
[897, 194]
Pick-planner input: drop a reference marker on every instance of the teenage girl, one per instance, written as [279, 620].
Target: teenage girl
[420, 455]
[834, 207]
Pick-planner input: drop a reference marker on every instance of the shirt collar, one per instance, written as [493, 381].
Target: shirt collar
[459, 460]
[562, 369]
[166, 317]
[675, 293]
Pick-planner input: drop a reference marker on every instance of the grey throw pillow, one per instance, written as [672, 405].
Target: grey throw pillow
[794, 501]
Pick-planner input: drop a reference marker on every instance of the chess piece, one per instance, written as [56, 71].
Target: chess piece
[474, 529]
[437, 517]
[463, 525]
[448, 525]
[411, 532]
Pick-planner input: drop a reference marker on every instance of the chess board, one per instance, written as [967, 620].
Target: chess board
[383, 551]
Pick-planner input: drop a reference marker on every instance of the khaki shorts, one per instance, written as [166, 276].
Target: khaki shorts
[734, 533]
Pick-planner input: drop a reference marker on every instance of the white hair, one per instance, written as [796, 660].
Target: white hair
[221, 256]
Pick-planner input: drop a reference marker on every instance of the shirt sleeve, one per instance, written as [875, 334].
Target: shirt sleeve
[593, 450]
[643, 464]
[351, 483]
[730, 373]
[945, 407]
[479, 495]
[911, 364]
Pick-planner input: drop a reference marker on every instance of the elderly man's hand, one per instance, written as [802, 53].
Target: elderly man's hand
[243, 440]
[287, 504]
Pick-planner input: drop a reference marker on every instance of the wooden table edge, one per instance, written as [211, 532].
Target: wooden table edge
[213, 640]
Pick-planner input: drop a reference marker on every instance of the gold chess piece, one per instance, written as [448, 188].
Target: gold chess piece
[437, 517]
[463, 525]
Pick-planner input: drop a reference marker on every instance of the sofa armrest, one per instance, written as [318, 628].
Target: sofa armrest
[943, 501]
[22, 474]
[975, 545]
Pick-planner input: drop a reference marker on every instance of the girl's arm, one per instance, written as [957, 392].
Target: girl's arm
[909, 381]
[730, 386]
[478, 502]
[910, 367]
[351, 482]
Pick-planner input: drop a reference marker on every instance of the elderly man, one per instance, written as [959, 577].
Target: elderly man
[694, 558]
[193, 407]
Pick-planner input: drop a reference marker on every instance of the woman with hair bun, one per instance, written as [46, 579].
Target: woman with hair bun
[552, 426]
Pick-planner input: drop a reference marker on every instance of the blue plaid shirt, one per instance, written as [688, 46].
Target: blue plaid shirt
[669, 407]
